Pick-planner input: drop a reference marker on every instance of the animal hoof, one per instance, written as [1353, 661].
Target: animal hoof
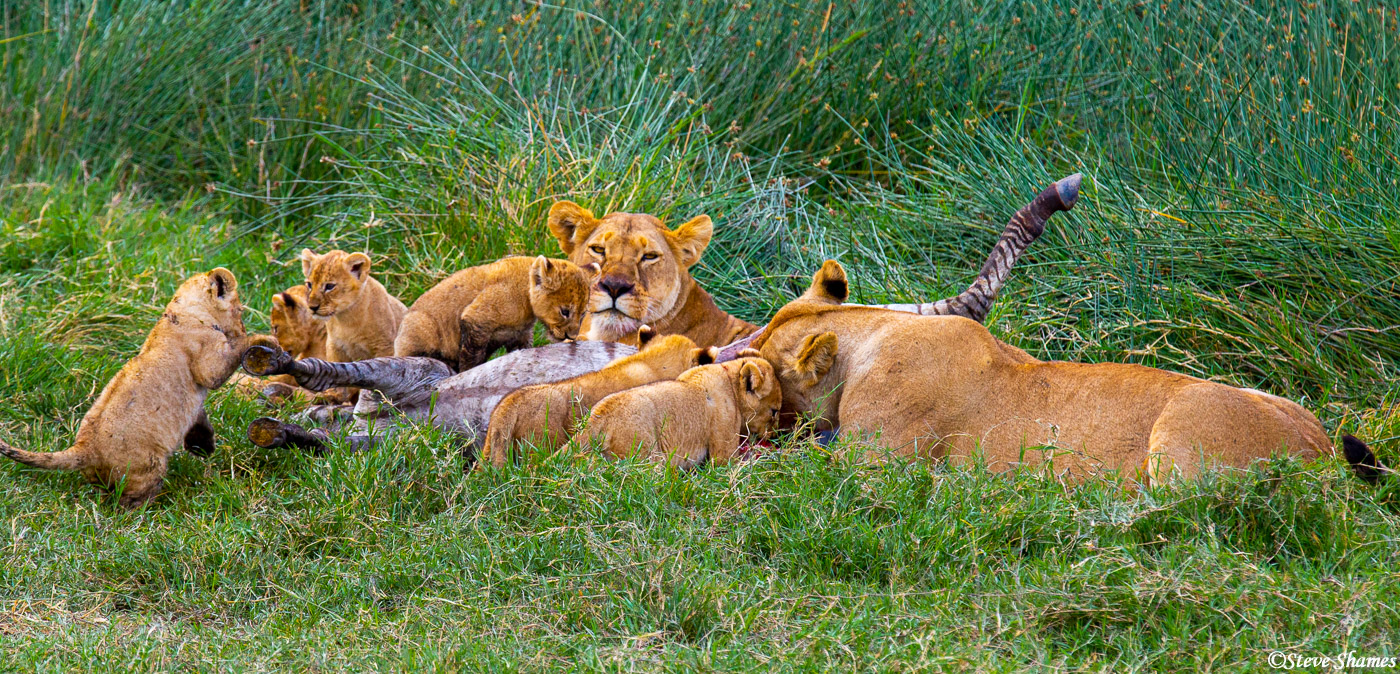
[277, 393]
[262, 361]
[1068, 190]
[267, 433]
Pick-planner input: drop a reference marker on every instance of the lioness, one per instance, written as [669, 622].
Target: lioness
[644, 276]
[944, 387]
[547, 411]
[703, 415]
[156, 401]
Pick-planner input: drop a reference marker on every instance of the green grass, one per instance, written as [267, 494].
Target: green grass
[1237, 224]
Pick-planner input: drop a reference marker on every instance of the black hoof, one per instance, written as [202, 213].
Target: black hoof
[264, 361]
[267, 433]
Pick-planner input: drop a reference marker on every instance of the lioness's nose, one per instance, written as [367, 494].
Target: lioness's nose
[615, 287]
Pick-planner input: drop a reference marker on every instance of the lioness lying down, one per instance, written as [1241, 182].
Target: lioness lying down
[155, 403]
[943, 387]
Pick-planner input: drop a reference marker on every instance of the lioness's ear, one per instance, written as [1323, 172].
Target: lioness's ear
[570, 223]
[754, 378]
[223, 283]
[358, 265]
[542, 274]
[644, 336]
[308, 259]
[828, 284]
[692, 238]
[704, 356]
[816, 356]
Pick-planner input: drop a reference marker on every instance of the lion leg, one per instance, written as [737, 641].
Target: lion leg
[199, 440]
[1212, 424]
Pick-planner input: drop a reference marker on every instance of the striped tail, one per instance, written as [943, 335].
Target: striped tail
[1025, 227]
[68, 459]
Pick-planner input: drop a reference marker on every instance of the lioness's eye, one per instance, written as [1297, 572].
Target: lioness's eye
[650, 256]
[598, 250]
[330, 287]
[564, 311]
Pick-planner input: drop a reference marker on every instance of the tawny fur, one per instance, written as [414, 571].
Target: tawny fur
[644, 276]
[299, 334]
[362, 319]
[156, 401]
[704, 414]
[475, 311]
[944, 387]
[546, 413]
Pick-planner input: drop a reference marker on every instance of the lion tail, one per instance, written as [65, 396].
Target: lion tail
[1363, 461]
[72, 458]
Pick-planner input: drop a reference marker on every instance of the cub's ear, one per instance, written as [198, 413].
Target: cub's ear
[749, 353]
[704, 356]
[755, 378]
[283, 301]
[815, 357]
[644, 336]
[308, 259]
[591, 270]
[692, 238]
[358, 265]
[223, 283]
[542, 274]
[570, 223]
[828, 284]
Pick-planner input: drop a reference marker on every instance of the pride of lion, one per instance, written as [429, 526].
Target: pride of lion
[647, 365]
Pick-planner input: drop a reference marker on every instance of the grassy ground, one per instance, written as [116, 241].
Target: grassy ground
[1237, 224]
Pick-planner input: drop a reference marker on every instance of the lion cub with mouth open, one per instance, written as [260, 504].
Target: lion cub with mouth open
[477, 310]
[156, 401]
[548, 411]
[704, 414]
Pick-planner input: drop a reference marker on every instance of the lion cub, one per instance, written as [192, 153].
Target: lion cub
[548, 411]
[477, 310]
[704, 414]
[362, 318]
[156, 401]
[298, 333]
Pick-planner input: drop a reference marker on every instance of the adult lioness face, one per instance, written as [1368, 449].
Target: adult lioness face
[644, 268]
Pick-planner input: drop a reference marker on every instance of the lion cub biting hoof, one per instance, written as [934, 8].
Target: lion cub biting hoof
[477, 310]
[299, 334]
[546, 412]
[156, 402]
[705, 414]
[362, 319]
